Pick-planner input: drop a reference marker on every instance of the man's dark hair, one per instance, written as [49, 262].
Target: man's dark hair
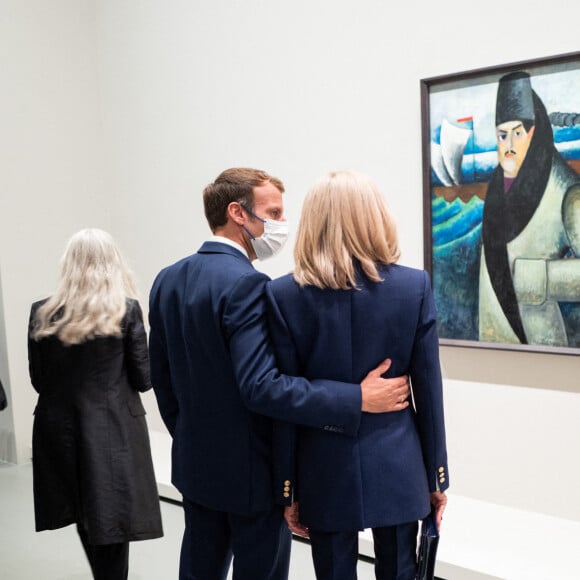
[236, 184]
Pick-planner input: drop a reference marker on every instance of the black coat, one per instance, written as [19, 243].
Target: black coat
[91, 455]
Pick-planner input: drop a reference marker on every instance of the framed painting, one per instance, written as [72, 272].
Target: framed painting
[501, 187]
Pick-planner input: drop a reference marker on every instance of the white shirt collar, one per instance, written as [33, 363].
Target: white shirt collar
[227, 241]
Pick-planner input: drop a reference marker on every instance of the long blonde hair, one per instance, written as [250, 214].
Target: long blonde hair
[344, 222]
[91, 296]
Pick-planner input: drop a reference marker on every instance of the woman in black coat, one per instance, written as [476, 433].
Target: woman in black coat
[88, 362]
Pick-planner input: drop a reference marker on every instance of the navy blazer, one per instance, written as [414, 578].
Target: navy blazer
[213, 370]
[384, 475]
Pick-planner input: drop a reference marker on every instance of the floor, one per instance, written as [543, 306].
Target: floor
[57, 555]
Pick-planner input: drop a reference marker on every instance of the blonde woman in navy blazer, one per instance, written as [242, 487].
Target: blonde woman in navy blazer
[346, 305]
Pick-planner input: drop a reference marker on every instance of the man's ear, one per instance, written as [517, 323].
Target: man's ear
[531, 131]
[236, 213]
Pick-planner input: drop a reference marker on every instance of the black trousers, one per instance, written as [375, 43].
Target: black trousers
[259, 544]
[335, 554]
[107, 561]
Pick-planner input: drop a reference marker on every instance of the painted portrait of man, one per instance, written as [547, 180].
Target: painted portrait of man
[505, 190]
[531, 226]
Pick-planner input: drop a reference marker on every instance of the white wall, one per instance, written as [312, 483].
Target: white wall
[185, 89]
[52, 178]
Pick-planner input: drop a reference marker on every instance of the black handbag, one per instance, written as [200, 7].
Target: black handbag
[427, 553]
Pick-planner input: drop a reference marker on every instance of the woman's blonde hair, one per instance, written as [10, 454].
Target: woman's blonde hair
[91, 296]
[345, 223]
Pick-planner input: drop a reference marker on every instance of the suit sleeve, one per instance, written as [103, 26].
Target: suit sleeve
[264, 390]
[136, 349]
[160, 374]
[427, 385]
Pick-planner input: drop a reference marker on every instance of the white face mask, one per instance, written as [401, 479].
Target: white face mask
[272, 240]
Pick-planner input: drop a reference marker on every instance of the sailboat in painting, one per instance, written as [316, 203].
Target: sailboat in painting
[447, 155]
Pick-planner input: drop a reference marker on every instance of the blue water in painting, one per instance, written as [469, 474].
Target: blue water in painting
[456, 249]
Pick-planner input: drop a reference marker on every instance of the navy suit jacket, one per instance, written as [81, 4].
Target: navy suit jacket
[382, 476]
[214, 375]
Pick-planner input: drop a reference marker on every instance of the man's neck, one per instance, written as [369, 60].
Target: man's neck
[229, 242]
[235, 234]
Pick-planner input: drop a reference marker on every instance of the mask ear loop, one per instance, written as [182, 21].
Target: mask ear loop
[252, 237]
[249, 233]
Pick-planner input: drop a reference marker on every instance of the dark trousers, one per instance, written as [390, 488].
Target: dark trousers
[107, 561]
[259, 545]
[335, 554]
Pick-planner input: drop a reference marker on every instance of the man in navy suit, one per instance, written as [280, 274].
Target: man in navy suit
[217, 386]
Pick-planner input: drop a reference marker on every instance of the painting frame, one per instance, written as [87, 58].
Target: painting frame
[436, 184]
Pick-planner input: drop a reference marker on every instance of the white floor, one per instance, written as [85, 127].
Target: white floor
[57, 555]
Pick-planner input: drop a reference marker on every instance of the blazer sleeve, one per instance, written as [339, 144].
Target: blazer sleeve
[136, 354]
[427, 386]
[264, 390]
[285, 434]
[159, 363]
[284, 462]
